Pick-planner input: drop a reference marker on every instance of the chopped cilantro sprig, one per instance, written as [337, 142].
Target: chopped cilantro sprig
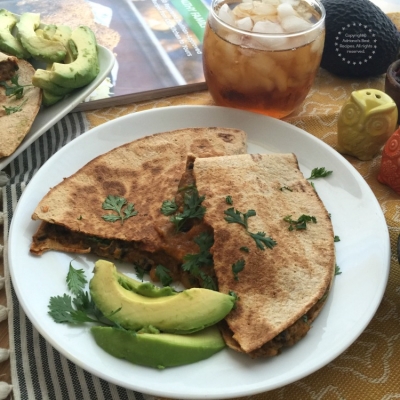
[192, 208]
[194, 264]
[116, 204]
[321, 172]
[78, 309]
[299, 223]
[234, 216]
[17, 108]
[15, 89]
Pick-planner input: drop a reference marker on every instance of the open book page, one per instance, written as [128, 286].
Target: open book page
[157, 43]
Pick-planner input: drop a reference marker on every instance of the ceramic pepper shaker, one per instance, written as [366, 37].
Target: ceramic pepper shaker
[389, 172]
[366, 121]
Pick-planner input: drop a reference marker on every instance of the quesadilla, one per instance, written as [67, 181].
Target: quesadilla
[144, 172]
[281, 288]
[18, 111]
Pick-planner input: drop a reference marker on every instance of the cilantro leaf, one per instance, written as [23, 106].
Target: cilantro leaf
[237, 267]
[236, 217]
[300, 223]
[140, 272]
[263, 241]
[15, 89]
[163, 274]
[62, 310]
[78, 309]
[12, 110]
[319, 173]
[169, 207]
[202, 259]
[116, 203]
[207, 281]
[192, 208]
[228, 200]
[193, 263]
[76, 279]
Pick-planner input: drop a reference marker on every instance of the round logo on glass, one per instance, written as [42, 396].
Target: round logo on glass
[355, 44]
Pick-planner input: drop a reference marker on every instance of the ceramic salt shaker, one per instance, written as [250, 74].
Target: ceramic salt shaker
[366, 121]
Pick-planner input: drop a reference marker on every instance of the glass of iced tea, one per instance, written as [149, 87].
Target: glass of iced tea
[263, 55]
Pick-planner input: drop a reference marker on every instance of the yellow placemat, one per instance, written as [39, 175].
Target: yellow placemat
[369, 369]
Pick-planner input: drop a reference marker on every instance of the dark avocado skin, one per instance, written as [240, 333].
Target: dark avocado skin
[339, 13]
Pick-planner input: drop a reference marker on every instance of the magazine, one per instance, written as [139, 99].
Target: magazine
[157, 43]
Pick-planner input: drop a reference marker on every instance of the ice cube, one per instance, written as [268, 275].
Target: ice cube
[268, 43]
[264, 9]
[226, 15]
[292, 23]
[267, 27]
[318, 45]
[234, 38]
[293, 3]
[243, 10]
[284, 10]
[273, 2]
[245, 24]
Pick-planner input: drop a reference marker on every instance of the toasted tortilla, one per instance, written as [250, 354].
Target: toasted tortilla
[16, 126]
[145, 172]
[278, 287]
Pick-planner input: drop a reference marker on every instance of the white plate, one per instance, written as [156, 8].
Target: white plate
[48, 116]
[363, 255]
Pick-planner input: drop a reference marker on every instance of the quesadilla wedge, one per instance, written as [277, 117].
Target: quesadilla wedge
[281, 274]
[144, 172]
[16, 113]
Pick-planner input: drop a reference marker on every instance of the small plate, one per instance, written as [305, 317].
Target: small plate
[363, 256]
[49, 116]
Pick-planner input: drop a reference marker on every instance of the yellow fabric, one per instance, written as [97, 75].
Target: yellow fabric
[370, 368]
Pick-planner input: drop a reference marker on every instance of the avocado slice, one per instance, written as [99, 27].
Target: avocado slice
[146, 289]
[60, 33]
[9, 43]
[49, 98]
[42, 79]
[188, 311]
[37, 45]
[160, 350]
[85, 68]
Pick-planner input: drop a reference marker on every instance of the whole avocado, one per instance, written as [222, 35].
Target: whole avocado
[361, 40]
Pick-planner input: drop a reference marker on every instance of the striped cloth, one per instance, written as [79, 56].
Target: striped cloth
[39, 371]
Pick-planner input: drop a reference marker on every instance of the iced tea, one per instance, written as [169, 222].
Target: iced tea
[263, 56]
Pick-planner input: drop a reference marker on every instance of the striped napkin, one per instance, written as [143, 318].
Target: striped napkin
[38, 371]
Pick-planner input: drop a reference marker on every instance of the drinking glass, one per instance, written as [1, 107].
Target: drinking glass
[263, 56]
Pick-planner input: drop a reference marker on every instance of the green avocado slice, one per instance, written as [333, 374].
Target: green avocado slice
[42, 79]
[38, 46]
[185, 312]
[144, 288]
[49, 98]
[86, 66]
[9, 43]
[160, 350]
